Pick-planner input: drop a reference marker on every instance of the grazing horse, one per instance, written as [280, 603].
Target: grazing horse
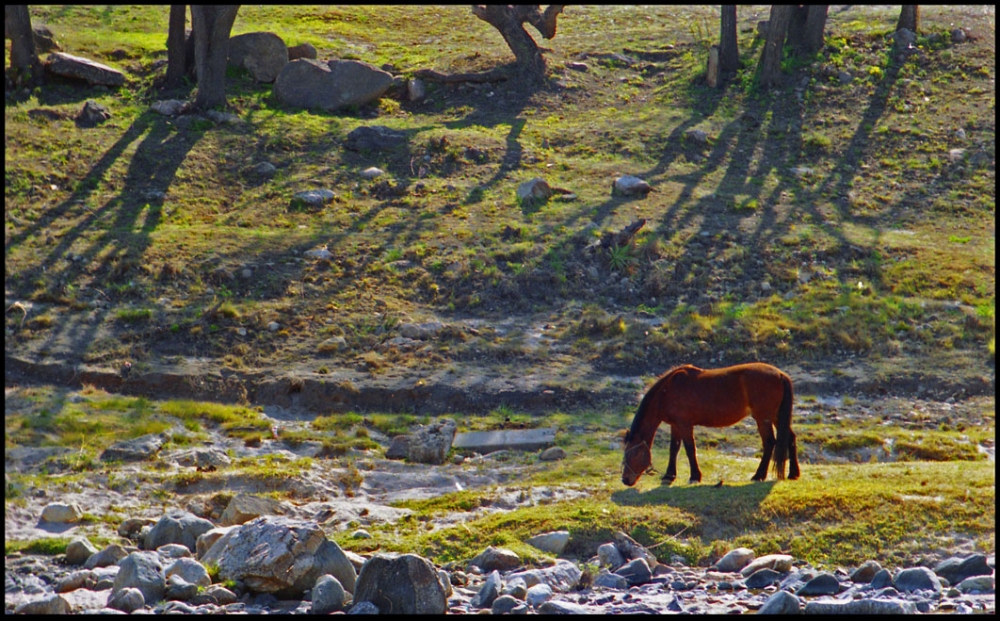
[688, 396]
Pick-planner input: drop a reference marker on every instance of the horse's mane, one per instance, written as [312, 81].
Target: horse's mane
[640, 414]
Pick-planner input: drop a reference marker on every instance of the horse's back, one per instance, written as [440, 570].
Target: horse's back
[721, 397]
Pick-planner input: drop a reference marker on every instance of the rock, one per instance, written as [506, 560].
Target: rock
[630, 186]
[781, 603]
[635, 571]
[504, 605]
[208, 539]
[107, 557]
[177, 526]
[956, 155]
[92, 114]
[801, 171]
[263, 54]
[78, 68]
[275, 554]
[169, 107]
[430, 444]
[313, 198]
[488, 591]
[45, 40]
[904, 38]
[336, 84]
[735, 560]
[696, 136]
[203, 458]
[610, 580]
[916, 578]
[762, 578]
[865, 573]
[328, 595]
[955, 569]
[516, 588]
[222, 118]
[420, 331]
[578, 66]
[79, 550]
[416, 90]
[190, 570]
[553, 453]
[363, 608]
[302, 50]
[563, 576]
[982, 584]
[127, 600]
[372, 172]
[538, 594]
[399, 448]
[631, 549]
[374, 138]
[780, 563]
[881, 579]
[554, 542]
[845, 77]
[245, 507]
[139, 449]
[957, 36]
[609, 556]
[406, 584]
[823, 584]
[142, 571]
[82, 579]
[49, 605]
[860, 607]
[562, 608]
[508, 439]
[323, 252]
[273, 326]
[61, 513]
[178, 589]
[492, 559]
[215, 594]
[536, 189]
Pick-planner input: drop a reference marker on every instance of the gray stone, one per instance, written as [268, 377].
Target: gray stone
[563, 576]
[372, 172]
[61, 513]
[508, 439]
[982, 584]
[430, 444]
[496, 559]
[263, 54]
[554, 542]
[504, 604]
[328, 595]
[49, 605]
[275, 554]
[609, 556]
[538, 594]
[169, 107]
[407, 584]
[313, 198]
[555, 607]
[865, 573]
[698, 136]
[957, 35]
[823, 584]
[363, 608]
[215, 594]
[92, 114]
[629, 185]
[127, 600]
[735, 560]
[536, 189]
[955, 569]
[781, 603]
[245, 507]
[881, 579]
[374, 138]
[208, 539]
[762, 578]
[780, 563]
[179, 589]
[860, 607]
[421, 331]
[106, 557]
[336, 84]
[173, 551]
[611, 581]
[916, 578]
[636, 571]
[399, 447]
[302, 50]
[553, 453]
[142, 571]
[415, 89]
[78, 68]
[904, 38]
[82, 579]
[488, 591]
[177, 526]
[139, 449]
[190, 570]
[516, 588]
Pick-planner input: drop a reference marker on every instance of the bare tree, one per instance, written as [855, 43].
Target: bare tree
[909, 17]
[805, 32]
[769, 68]
[24, 63]
[211, 25]
[509, 20]
[729, 54]
[176, 45]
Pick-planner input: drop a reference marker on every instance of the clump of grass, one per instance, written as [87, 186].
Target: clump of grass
[133, 315]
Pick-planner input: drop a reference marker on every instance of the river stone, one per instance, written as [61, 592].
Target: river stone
[554, 542]
[735, 560]
[778, 562]
[50, 605]
[177, 526]
[635, 571]
[538, 594]
[263, 54]
[79, 550]
[208, 539]
[363, 608]
[504, 604]
[762, 578]
[92, 114]
[553, 453]
[245, 507]
[139, 449]
[78, 68]
[106, 557]
[983, 584]
[406, 584]
[374, 138]
[562, 608]
[190, 570]
[860, 607]
[865, 573]
[881, 579]
[430, 444]
[629, 185]
[82, 579]
[611, 581]
[313, 198]
[781, 603]
[488, 592]
[61, 513]
[142, 571]
[496, 559]
[328, 595]
[279, 555]
[302, 50]
[332, 85]
[179, 589]
[562, 576]
[399, 447]
[955, 569]
[515, 587]
[609, 555]
[127, 600]
[915, 579]
[823, 584]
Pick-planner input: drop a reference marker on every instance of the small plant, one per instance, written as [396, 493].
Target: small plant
[621, 258]
[133, 315]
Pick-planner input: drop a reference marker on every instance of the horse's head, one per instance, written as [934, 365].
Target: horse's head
[636, 461]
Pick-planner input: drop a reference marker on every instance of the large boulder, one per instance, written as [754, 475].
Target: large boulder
[307, 83]
[263, 54]
[430, 444]
[245, 507]
[142, 571]
[177, 526]
[407, 584]
[78, 68]
[279, 555]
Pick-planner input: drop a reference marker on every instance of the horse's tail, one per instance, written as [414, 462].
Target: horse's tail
[784, 437]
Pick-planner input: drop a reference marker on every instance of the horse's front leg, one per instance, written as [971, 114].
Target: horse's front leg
[766, 432]
[675, 447]
[687, 436]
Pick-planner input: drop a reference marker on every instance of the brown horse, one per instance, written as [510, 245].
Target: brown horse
[688, 396]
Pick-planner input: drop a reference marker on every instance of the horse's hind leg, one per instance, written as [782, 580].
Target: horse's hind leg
[675, 447]
[793, 458]
[766, 432]
[687, 436]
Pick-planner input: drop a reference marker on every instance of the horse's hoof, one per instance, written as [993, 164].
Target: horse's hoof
[693, 481]
[757, 478]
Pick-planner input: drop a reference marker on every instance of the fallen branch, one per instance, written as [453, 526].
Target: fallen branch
[623, 236]
[493, 75]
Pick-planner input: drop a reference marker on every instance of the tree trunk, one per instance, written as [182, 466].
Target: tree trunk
[509, 20]
[24, 63]
[909, 17]
[812, 37]
[729, 55]
[769, 68]
[212, 25]
[176, 45]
